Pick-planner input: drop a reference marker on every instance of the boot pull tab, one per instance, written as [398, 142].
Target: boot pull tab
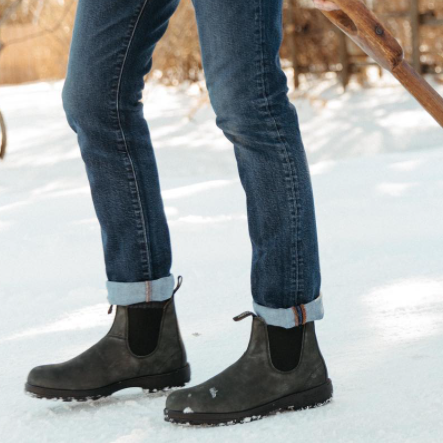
[243, 315]
[110, 309]
[179, 283]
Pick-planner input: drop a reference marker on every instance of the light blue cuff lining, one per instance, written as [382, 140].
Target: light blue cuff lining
[290, 317]
[129, 293]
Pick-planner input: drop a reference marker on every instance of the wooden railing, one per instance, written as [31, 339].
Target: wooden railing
[351, 61]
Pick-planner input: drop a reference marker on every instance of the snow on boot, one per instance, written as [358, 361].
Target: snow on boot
[111, 364]
[252, 387]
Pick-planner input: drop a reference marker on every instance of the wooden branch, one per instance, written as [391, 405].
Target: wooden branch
[364, 28]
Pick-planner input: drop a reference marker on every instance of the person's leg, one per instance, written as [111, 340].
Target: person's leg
[110, 53]
[240, 47]
[283, 366]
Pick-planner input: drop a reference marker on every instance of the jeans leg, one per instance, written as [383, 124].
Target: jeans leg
[240, 44]
[111, 51]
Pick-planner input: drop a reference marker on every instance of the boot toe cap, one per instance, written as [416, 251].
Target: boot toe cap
[42, 376]
[179, 400]
[200, 399]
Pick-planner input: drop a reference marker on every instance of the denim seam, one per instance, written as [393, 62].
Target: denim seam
[131, 165]
[283, 142]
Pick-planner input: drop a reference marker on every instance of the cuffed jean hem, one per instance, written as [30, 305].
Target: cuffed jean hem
[294, 316]
[129, 293]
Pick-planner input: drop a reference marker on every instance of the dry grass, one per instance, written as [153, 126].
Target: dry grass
[37, 44]
[36, 41]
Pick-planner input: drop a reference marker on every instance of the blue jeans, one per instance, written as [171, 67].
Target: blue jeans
[111, 51]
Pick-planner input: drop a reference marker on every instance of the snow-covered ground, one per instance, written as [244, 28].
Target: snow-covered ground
[377, 169]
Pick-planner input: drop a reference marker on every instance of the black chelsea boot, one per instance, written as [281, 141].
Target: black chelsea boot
[253, 387]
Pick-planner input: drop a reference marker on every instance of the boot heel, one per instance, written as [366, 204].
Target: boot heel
[311, 398]
[153, 383]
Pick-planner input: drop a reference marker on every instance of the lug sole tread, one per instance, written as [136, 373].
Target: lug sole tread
[316, 397]
[149, 384]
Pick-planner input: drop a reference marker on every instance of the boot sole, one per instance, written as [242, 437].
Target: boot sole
[151, 383]
[302, 400]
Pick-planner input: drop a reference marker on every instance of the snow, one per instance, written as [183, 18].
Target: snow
[377, 170]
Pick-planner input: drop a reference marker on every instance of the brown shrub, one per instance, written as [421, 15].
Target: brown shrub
[37, 40]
